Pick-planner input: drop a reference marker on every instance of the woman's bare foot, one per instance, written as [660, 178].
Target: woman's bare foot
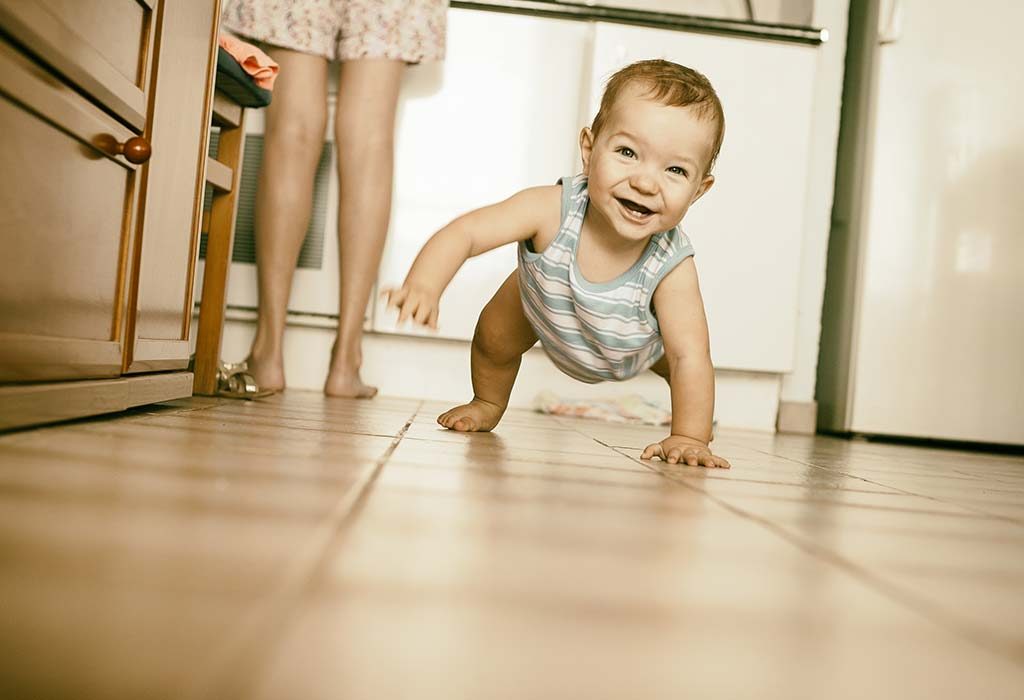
[343, 378]
[268, 373]
[476, 416]
[348, 387]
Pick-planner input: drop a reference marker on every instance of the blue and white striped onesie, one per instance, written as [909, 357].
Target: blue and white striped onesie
[595, 332]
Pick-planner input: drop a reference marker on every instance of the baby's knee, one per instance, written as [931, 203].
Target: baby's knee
[494, 343]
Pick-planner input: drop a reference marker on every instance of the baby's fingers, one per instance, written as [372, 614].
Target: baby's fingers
[393, 296]
[674, 456]
[406, 309]
[652, 451]
[423, 314]
[710, 461]
[707, 460]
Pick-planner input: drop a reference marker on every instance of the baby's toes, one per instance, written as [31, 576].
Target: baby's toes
[465, 424]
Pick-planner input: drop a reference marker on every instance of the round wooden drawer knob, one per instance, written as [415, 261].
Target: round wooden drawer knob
[135, 150]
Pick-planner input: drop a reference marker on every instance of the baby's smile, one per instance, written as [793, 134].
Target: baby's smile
[634, 210]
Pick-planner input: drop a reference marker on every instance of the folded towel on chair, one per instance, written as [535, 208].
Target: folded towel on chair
[253, 61]
[237, 84]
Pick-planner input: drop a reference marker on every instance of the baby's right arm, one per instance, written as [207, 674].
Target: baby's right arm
[516, 219]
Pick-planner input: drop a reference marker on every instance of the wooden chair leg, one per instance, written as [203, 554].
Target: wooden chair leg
[219, 243]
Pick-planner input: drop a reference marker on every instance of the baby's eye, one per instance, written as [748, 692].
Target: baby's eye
[676, 170]
[626, 151]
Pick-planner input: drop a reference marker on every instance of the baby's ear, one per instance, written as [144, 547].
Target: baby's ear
[705, 185]
[586, 148]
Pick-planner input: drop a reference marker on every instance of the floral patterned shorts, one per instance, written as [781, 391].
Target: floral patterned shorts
[406, 30]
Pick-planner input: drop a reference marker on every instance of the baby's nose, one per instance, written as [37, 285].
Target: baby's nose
[644, 184]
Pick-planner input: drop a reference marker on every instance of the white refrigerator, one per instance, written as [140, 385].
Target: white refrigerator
[923, 322]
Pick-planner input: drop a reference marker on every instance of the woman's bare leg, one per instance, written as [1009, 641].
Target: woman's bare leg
[502, 335]
[364, 140]
[293, 139]
[662, 369]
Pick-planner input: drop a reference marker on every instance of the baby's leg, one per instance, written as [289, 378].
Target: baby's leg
[502, 336]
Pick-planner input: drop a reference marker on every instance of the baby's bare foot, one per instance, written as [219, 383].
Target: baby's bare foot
[476, 416]
[348, 387]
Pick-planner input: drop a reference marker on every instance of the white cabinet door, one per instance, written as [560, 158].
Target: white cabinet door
[502, 113]
[939, 327]
[748, 229]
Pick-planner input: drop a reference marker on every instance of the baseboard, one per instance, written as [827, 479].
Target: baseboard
[800, 417]
[24, 405]
[436, 369]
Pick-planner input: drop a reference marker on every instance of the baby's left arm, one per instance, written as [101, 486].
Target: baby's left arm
[684, 331]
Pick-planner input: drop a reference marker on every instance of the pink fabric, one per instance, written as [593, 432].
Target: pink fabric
[259, 65]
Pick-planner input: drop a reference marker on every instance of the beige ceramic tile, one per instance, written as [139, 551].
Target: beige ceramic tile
[496, 452]
[225, 438]
[506, 599]
[543, 440]
[307, 547]
[429, 643]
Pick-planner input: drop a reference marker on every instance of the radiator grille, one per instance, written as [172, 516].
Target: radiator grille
[244, 250]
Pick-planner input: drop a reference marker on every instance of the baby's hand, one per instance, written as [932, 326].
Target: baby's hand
[414, 303]
[677, 448]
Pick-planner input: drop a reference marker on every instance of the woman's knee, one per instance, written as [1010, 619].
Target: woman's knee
[301, 138]
[299, 130]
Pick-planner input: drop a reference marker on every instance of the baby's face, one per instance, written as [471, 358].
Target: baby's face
[647, 165]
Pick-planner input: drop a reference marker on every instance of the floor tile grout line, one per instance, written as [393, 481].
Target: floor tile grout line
[102, 463]
[223, 677]
[308, 430]
[929, 611]
[534, 449]
[297, 438]
[290, 412]
[598, 441]
[968, 509]
[973, 477]
[996, 479]
[893, 489]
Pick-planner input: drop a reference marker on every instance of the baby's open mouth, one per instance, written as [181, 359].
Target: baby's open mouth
[638, 209]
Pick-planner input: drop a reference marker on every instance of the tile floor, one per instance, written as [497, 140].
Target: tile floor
[308, 548]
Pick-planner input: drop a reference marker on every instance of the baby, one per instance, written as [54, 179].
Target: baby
[605, 279]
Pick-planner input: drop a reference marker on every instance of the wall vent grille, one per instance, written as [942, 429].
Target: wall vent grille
[244, 251]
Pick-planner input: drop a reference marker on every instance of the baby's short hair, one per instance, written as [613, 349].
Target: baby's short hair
[671, 84]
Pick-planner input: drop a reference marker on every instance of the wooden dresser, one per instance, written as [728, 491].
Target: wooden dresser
[104, 122]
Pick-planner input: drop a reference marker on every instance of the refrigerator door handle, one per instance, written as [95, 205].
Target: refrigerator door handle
[890, 21]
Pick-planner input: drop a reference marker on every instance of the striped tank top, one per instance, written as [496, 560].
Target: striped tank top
[595, 332]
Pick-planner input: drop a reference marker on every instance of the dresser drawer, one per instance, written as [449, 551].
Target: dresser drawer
[67, 208]
[104, 47]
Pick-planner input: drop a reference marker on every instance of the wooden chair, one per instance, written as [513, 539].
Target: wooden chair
[223, 175]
